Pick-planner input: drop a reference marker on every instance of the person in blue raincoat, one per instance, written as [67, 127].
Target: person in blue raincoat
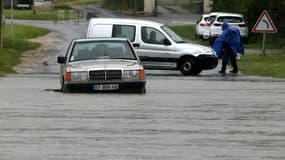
[227, 46]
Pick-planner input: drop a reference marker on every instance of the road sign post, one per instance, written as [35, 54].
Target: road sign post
[1, 24]
[263, 44]
[264, 25]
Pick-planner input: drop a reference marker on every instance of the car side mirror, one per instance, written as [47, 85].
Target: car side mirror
[166, 42]
[61, 59]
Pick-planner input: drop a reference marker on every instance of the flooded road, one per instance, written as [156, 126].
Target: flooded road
[179, 118]
[209, 117]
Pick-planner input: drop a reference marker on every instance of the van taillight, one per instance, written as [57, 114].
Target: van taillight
[202, 24]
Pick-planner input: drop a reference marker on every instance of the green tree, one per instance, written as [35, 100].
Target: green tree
[252, 9]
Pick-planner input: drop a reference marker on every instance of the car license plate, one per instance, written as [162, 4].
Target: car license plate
[104, 87]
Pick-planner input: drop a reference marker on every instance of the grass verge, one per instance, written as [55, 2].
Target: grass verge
[61, 10]
[271, 65]
[57, 14]
[76, 2]
[188, 32]
[13, 46]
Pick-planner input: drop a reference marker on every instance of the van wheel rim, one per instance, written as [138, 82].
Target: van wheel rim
[187, 66]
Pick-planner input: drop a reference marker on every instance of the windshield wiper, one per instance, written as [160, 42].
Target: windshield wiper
[124, 58]
[182, 41]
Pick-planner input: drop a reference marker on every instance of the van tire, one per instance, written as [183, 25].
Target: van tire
[188, 66]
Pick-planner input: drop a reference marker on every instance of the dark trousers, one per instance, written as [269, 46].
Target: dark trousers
[229, 56]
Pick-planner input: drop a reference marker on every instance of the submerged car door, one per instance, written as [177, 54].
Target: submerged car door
[154, 49]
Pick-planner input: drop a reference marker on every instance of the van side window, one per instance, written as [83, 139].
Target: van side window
[125, 31]
[152, 36]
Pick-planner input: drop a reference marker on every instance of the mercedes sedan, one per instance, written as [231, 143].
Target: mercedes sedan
[101, 64]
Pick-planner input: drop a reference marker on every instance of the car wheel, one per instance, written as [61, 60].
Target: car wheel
[64, 88]
[188, 66]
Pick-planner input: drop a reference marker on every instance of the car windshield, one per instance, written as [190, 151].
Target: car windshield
[88, 50]
[176, 38]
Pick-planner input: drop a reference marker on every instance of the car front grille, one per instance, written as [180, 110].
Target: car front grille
[105, 75]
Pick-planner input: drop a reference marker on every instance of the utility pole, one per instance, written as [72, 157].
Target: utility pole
[1, 24]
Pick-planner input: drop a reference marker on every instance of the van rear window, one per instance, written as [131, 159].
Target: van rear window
[125, 31]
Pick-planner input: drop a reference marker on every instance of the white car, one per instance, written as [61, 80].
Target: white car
[202, 27]
[102, 64]
[218, 18]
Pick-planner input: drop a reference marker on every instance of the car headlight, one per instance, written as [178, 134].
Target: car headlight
[134, 75]
[78, 76]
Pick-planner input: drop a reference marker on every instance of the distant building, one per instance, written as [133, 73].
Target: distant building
[149, 6]
[42, 3]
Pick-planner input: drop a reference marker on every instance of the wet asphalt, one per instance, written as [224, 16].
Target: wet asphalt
[232, 117]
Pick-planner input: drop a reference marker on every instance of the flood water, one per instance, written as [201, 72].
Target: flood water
[179, 118]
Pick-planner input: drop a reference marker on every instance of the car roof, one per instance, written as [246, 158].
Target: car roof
[124, 21]
[225, 14]
[229, 14]
[214, 13]
[100, 39]
[205, 15]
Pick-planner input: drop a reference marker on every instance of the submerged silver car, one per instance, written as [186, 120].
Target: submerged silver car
[101, 64]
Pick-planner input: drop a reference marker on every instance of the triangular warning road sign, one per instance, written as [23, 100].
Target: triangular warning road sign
[264, 24]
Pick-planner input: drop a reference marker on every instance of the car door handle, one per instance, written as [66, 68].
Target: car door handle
[136, 45]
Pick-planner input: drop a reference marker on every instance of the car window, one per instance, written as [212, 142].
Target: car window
[230, 19]
[152, 36]
[125, 31]
[206, 18]
[212, 19]
[101, 50]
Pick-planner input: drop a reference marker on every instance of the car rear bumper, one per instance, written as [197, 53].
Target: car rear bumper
[89, 86]
[207, 61]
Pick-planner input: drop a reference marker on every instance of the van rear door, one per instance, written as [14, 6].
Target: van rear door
[100, 30]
